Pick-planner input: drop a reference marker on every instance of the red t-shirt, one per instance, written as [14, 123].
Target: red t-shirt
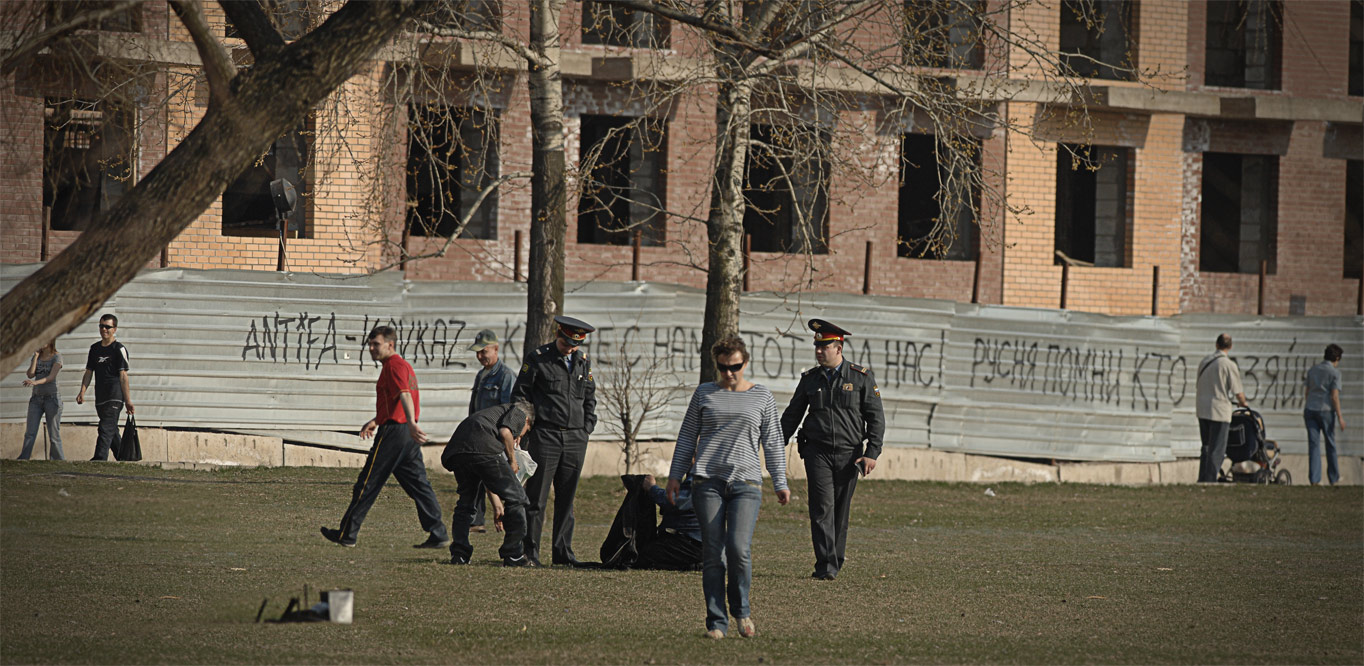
[396, 378]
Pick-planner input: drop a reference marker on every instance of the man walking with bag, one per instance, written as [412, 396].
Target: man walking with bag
[107, 363]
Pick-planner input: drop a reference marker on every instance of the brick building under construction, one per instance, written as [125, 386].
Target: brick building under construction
[1232, 184]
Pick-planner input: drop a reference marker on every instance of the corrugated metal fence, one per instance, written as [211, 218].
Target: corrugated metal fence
[267, 351]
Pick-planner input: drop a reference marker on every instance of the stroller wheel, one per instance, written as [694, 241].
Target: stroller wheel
[1284, 478]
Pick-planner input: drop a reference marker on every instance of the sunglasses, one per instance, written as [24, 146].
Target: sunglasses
[105, 327]
[729, 368]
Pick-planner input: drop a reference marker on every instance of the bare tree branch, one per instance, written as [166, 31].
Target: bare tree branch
[218, 65]
[253, 25]
[46, 37]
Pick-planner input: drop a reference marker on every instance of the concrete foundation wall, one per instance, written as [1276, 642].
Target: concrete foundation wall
[208, 450]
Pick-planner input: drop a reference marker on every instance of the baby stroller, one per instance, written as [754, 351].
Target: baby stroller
[1254, 459]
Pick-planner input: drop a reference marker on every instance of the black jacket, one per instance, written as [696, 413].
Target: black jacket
[843, 412]
[562, 399]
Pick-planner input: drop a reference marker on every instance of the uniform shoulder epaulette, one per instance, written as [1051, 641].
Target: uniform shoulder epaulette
[858, 368]
[539, 351]
[809, 371]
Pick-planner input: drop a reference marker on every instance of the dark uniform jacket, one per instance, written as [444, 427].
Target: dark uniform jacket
[843, 412]
[562, 398]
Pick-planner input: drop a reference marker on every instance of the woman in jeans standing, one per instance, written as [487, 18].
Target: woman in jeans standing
[46, 400]
[730, 424]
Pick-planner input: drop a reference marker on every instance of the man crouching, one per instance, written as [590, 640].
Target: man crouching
[482, 454]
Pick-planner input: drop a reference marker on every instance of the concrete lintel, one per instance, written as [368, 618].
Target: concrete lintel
[1129, 98]
[1278, 107]
[644, 66]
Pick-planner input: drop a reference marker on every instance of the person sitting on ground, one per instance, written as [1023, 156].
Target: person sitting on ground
[676, 545]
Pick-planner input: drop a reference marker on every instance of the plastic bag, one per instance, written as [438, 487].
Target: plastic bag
[526, 465]
[129, 449]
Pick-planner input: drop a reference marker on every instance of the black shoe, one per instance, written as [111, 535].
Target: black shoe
[562, 562]
[433, 542]
[455, 559]
[334, 536]
[822, 576]
[522, 561]
[478, 529]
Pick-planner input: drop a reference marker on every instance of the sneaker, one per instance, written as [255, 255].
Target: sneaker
[716, 634]
[457, 560]
[433, 542]
[334, 536]
[746, 627]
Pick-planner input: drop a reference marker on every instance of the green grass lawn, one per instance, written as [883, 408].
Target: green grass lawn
[106, 563]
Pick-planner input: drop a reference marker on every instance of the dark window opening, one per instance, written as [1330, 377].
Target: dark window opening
[249, 210]
[1093, 205]
[128, 20]
[1244, 44]
[292, 18]
[940, 33]
[467, 15]
[89, 156]
[1354, 219]
[1357, 47]
[451, 158]
[786, 189]
[1097, 38]
[922, 201]
[624, 188]
[1239, 213]
[613, 25]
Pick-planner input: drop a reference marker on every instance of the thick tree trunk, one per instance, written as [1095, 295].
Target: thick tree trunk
[725, 223]
[548, 222]
[273, 96]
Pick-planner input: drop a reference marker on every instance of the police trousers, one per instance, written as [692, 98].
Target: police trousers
[559, 454]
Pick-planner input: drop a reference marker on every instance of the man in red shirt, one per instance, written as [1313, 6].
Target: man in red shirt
[397, 448]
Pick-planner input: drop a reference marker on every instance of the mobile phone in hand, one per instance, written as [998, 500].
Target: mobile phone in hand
[862, 467]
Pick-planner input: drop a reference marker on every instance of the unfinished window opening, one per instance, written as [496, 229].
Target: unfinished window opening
[451, 158]
[794, 21]
[128, 20]
[248, 208]
[89, 159]
[1244, 44]
[1239, 213]
[944, 33]
[1098, 38]
[1093, 205]
[923, 201]
[1356, 47]
[786, 189]
[1354, 219]
[614, 25]
[292, 18]
[623, 187]
[467, 15]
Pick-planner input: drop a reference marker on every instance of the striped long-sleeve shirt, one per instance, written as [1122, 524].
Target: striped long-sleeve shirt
[724, 431]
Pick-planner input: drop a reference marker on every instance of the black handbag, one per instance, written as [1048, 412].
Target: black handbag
[129, 449]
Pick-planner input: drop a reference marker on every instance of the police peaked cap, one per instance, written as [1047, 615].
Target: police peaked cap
[826, 332]
[575, 330]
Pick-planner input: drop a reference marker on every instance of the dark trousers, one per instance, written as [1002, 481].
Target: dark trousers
[394, 453]
[831, 478]
[1214, 436]
[669, 550]
[480, 508]
[559, 454]
[108, 412]
[474, 474]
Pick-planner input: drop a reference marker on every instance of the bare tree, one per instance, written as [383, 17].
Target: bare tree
[247, 110]
[782, 73]
[632, 390]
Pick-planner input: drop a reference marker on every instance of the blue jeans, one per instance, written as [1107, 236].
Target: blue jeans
[1321, 423]
[728, 512]
[51, 407]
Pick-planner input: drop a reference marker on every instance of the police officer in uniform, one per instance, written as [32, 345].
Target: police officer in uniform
[557, 379]
[840, 440]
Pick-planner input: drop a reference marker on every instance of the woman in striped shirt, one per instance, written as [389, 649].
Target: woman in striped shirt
[728, 422]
